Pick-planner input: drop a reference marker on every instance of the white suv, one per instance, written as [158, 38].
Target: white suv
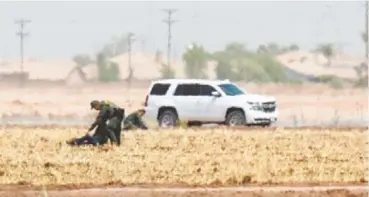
[207, 101]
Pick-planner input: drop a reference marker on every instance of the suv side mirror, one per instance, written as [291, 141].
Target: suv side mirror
[215, 94]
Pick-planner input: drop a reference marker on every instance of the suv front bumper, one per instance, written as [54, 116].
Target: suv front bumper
[261, 117]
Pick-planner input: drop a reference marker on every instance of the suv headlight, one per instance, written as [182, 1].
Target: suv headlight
[255, 106]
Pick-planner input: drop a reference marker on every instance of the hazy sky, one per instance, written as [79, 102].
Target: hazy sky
[62, 29]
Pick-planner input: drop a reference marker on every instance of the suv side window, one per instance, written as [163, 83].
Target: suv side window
[187, 90]
[159, 89]
[206, 90]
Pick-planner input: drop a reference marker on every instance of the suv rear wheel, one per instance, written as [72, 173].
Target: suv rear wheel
[168, 119]
[236, 118]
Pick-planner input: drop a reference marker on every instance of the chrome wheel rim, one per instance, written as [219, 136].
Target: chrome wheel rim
[167, 120]
[236, 120]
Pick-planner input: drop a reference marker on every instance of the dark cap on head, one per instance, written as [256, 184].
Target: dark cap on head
[94, 103]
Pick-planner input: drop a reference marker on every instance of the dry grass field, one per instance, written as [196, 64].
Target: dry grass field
[206, 157]
[298, 103]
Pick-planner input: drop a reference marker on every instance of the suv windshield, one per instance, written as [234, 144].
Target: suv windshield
[230, 89]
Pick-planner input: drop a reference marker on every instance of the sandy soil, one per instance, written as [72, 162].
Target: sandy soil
[296, 103]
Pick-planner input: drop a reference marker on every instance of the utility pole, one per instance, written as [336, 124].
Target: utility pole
[22, 35]
[169, 21]
[366, 31]
[130, 75]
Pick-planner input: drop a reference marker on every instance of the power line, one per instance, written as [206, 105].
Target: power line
[169, 21]
[366, 31]
[22, 23]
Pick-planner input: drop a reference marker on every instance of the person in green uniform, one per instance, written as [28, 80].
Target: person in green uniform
[134, 120]
[115, 123]
[113, 115]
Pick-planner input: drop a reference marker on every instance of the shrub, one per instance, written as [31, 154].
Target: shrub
[333, 81]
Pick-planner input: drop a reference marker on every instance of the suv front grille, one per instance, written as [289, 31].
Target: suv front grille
[269, 106]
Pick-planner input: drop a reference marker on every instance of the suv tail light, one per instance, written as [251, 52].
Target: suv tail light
[146, 99]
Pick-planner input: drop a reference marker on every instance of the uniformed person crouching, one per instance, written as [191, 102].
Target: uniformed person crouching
[134, 120]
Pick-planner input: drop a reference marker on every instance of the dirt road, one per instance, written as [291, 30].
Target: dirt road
[253, 191]
[242, 128]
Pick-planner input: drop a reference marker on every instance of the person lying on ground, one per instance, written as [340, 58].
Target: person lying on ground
[88, 139]
[134, 120]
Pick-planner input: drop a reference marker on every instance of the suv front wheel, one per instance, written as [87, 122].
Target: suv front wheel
[168, 119]
[235, 118]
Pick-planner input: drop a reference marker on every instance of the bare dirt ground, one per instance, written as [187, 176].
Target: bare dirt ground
[296, 103]
[230, 129]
